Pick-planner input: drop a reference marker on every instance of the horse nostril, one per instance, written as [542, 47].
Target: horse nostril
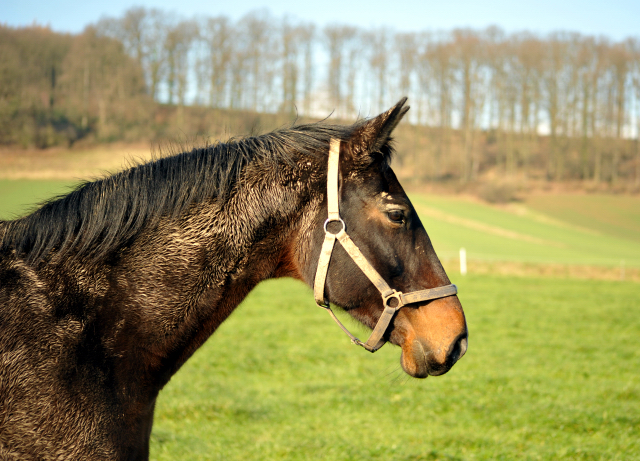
[459, 348]
[464, 343]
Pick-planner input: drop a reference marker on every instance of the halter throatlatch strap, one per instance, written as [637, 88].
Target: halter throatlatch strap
[392, 300]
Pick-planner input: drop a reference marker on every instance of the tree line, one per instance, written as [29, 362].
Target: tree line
[561, 106]
[56, 88]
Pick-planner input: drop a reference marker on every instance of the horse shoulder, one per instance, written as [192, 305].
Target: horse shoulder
[43, 417]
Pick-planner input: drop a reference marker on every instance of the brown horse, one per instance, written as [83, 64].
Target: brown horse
[107, 291]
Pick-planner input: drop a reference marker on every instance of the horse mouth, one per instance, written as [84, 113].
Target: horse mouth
[419, 360]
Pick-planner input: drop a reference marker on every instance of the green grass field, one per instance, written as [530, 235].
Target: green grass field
[537, 233]
[551, 371]
[618, 215]
[18, 197]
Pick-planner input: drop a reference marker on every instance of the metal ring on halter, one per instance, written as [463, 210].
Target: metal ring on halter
[344, 226]
[394, 295]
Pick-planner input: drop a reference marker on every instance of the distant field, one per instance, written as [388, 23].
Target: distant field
[18, 197]
[69, 165]
[616, 215]
[551, 374]
[536, 233]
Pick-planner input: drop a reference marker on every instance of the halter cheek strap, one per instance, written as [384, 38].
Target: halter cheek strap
[392, 300]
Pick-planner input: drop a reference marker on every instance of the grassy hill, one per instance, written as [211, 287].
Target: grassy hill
[560, 229]
[616, 215]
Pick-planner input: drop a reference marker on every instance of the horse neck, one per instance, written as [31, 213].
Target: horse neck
[182, 279]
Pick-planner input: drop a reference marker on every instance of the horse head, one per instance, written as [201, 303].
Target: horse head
[379, 219]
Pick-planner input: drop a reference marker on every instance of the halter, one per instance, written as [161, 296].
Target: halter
[392, 300]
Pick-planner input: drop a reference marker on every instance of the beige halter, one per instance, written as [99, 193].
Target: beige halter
[392, 300]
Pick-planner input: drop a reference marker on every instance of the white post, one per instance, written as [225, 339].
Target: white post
[463, 261]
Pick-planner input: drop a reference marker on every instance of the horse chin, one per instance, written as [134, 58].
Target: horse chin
[420, 361]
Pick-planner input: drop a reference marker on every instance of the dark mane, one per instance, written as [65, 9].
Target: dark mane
[100, 216]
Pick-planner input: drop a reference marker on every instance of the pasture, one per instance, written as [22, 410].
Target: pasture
[551, 371]
[554, 229]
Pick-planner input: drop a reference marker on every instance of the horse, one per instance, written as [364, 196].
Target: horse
[105, 292]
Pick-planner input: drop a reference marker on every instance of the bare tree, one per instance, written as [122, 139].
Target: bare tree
[337, 39]
[439, 54]
[585, 62]
[553, 73]
[217, 35]
[260, 57]
[307, 41]
[378, 42]
[634, 47]
[177, 45]
[597, 122]
[425, 85]
[468, 61]
[296, 74]
[406, 45]
[529, 56]
[620, 59]
[292, 43]
[142, 32]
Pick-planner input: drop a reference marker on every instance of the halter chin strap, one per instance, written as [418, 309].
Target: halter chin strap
[392, 300]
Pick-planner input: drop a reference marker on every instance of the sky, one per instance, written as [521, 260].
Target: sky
[616, 19]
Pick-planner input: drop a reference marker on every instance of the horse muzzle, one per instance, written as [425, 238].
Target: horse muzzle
[419, 360]
[433, 337]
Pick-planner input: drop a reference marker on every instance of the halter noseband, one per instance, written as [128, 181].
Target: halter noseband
[392, 300]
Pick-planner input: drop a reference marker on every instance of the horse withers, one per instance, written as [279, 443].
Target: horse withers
[107, 291]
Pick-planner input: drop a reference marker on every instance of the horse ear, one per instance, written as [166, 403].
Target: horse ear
[374, 134]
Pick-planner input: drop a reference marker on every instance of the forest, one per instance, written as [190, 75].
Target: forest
[485, 103]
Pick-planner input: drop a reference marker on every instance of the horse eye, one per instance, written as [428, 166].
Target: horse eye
[396, 216]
